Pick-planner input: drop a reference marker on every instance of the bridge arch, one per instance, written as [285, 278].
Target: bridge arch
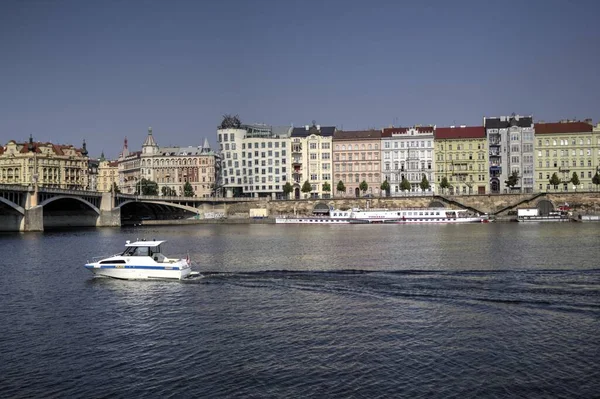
[161, 203]
[437, 204]
[61, 197]
[13, 205]
[544, 207]
[321, 208]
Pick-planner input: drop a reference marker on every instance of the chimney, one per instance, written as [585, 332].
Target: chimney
[306, 127]
[589, 121]
[318, 127]
[463, 125]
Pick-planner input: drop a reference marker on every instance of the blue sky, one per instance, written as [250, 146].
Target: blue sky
[100, 71]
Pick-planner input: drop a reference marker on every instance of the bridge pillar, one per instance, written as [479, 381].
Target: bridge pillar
[31, 200]
[33, 220]
[109, 216]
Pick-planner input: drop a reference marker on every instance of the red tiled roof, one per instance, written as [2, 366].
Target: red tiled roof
[356, 134]
[468, 132]
[1, 150]
[388, 132]
[113, 164]
[25, 148]
[565, 127]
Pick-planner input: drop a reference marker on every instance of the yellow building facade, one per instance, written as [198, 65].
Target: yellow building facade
[566, 148]
[108, 175]
[311, 160]
[461, 156]
[47, 164]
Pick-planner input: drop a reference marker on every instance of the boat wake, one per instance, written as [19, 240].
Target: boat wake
[561, 290]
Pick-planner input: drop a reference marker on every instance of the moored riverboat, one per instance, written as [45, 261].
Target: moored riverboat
[390, 216]
[141, 260]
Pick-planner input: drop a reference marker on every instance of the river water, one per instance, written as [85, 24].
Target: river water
[351, 311]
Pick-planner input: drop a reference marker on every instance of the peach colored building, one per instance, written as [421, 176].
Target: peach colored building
[356, 158]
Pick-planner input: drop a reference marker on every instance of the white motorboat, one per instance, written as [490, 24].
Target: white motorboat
[141, 260]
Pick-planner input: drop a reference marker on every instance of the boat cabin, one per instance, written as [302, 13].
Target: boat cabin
[145, 248]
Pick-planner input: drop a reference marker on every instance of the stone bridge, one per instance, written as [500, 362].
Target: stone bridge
[34, 209]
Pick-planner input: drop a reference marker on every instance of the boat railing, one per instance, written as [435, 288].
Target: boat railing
[95, 259]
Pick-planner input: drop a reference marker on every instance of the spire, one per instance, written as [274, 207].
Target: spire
[102, 159]
[125, 151]
[30, 146]
[84, 150]
[206, 146]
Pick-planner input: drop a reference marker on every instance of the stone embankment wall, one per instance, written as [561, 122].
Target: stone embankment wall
[500, 205]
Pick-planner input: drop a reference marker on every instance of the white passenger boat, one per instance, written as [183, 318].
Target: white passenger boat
[141, 260]
[397, 216]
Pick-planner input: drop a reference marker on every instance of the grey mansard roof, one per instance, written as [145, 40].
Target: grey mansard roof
[326, 131]
[183, 150]
[504, 122]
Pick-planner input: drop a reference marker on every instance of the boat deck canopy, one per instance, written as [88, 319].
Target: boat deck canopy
[144, 243]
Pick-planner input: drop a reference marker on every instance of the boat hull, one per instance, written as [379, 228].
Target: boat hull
[308, 220]
[543, 219]
[130, 272]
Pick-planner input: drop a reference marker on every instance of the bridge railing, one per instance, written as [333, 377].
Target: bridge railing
[189, 199]
[13, 187]
[69, 191]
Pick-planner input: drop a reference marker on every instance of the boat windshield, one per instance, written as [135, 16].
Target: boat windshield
[141, 251]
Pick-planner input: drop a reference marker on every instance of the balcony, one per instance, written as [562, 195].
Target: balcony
[296, 148]
[296, 162]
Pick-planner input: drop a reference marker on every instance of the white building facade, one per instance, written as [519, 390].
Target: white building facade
[408, 153]
[255, 160]
[511, 149]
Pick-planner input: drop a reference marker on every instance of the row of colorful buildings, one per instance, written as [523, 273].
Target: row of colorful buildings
[259, 160]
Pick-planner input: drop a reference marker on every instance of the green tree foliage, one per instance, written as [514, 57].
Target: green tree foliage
[424, 183]
[385, 186]
[115, 189]
[575, 180]
[306, 188]
[596, 180]
[148, 187]
[554, 180]
[513, 180]
[404, 184]
[326, 187]
[287, 189]
[363, 186]
[341, 188]
[188, 190]
[444, 184]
